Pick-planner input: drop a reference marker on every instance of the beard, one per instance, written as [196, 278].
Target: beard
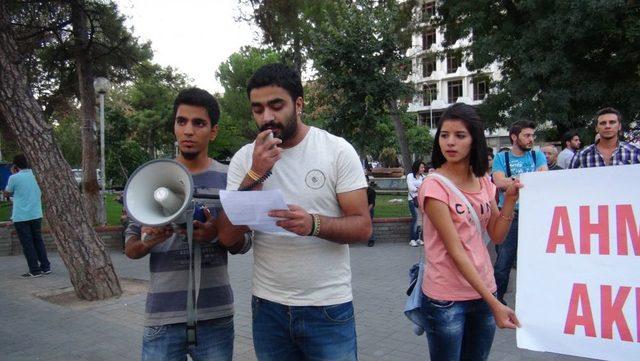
[524, 146]
[189, 155]
[286, 131]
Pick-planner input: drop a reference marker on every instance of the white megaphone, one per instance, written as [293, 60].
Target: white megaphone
[159, 192]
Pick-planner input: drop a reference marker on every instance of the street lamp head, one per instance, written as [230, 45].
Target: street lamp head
[101, 85]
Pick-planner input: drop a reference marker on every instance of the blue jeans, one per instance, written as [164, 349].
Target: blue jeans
[311, 333]
[30, 235]
[169, 342]
[458, 330]
[413, 208]
[506, 255]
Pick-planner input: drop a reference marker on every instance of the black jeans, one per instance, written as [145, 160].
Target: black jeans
[30, 235]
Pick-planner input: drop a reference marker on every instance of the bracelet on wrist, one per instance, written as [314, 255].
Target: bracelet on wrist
[316, 225]
[256, 181]
[313, 225]
[508, 218]
[253, 175]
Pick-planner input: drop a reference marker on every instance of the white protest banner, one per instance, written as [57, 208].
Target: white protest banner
[578, 281]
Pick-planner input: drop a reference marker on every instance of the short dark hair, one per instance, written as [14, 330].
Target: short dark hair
[21, 162]
[607, 110]
[478, 155]
[517, 127]
[279, 75]
[199, 98]
[568, 136]
[415, 167]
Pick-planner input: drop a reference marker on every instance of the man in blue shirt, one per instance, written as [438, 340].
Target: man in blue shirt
[27, 216]
[507, 166]
[610, 150]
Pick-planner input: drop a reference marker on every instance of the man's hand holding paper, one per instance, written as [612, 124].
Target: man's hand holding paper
[252, 209]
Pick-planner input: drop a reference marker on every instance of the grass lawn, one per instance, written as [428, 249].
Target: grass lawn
[383, 209]
[113, 211]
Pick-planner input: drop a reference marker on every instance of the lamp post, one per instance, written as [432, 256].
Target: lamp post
[101, 86]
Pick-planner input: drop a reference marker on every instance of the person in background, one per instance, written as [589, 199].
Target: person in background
[507, 167]
[414, 180]
[27, 216]
[571, 143]
[460, 304]
[371, 200]
[551, 153]
[609, 149]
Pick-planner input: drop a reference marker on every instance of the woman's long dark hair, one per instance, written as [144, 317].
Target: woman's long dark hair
[478, 155]
[415, 168]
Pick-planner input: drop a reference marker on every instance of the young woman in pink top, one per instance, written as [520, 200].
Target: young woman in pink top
[460, 306]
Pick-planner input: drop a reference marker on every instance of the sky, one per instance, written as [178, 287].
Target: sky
[193, 36]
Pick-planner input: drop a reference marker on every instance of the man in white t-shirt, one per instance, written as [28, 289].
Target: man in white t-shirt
[571, 143]
[302, 300]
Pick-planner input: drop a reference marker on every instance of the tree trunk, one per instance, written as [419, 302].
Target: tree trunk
[401, 134]
[83, 253]
[93, 201]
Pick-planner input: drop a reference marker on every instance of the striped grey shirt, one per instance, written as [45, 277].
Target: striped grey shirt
[169, 268]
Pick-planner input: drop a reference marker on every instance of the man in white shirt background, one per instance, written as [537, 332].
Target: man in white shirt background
[571, 143]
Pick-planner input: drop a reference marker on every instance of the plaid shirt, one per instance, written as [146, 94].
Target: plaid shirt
[589, 157]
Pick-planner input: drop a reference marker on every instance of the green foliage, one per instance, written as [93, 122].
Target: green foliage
[123, 153]
[286, 25]
[358, 49]
[420, 142]
[236, 124]
[560, 60]
[389, 157]
[45, 39]
[67, 135]
[318, 108]
[151, 99]
[139, 124]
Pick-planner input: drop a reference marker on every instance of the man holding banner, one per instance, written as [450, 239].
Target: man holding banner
[578, 285]
[507, 167]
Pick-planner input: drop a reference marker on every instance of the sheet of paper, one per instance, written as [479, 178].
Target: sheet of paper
[251, 209]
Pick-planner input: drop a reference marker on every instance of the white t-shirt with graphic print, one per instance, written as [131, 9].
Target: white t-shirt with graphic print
[297, 270]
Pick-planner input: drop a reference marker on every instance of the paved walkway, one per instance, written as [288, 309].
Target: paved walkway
[33, 329]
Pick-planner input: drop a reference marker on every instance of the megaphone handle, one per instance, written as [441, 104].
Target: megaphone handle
[194, 282]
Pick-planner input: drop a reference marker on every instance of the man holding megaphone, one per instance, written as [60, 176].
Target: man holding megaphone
[195, 114]
[302, 300]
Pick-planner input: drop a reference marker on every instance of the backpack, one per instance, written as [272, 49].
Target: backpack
[506, 161]
[508, 174]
